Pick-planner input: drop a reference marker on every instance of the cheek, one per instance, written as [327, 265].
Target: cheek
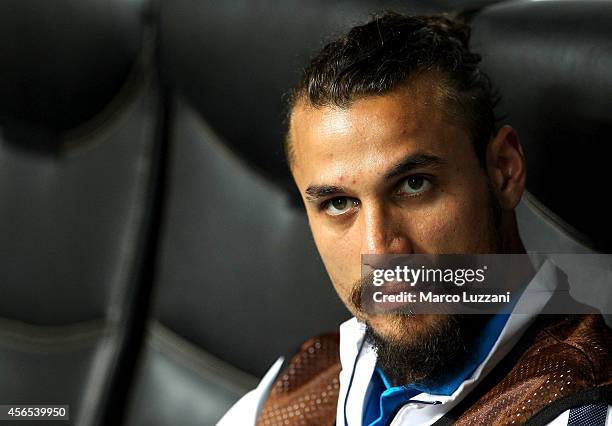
[437, 228]
[340, 255]
[457, 222]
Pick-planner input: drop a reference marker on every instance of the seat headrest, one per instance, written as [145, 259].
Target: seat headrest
[62, 62]
[552, 62]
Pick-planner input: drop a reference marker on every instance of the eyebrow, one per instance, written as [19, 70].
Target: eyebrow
[315, 192]
[411, 162]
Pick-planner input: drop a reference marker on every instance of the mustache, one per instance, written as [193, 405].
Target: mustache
[361, 290]
[366, 280]
[355, 296]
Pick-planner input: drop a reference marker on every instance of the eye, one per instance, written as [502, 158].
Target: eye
[339, 205]
[414, 184]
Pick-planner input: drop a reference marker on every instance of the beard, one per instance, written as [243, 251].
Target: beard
[430, 353]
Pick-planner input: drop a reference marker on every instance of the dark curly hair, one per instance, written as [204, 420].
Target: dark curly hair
[379, 56]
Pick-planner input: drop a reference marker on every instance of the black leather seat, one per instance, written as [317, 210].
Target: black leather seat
[78, 112]
[551, 63]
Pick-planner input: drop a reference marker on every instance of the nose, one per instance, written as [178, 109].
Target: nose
[383, 231]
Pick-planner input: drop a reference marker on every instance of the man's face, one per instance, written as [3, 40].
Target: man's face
[390, 174]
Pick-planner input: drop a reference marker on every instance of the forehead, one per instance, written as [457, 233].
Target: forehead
[374, 132]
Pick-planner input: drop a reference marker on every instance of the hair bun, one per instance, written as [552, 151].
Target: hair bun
[455, 28]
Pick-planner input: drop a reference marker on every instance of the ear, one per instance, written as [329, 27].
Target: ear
[506, 167]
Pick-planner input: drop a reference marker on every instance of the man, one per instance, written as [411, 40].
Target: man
[394, 148]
